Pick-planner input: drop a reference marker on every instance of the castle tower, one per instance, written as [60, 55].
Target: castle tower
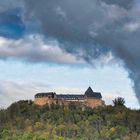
[93, 99]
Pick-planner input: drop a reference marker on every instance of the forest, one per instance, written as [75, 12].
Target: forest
[23, 120]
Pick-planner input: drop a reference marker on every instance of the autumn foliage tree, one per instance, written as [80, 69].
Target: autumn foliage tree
[24, 120]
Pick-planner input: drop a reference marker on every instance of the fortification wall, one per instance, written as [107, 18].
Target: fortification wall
[93, 102]
[42, 101]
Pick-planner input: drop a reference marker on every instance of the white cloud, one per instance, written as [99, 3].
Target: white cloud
[66, 90]
[33, 48]
[130, 100]
[12, 91]
[132, 27]
[104, 59]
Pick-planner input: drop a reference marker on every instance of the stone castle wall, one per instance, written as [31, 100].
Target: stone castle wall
[91, 102]
[94, 102]
[41, 101]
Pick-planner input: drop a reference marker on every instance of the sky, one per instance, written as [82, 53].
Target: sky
[67, 46]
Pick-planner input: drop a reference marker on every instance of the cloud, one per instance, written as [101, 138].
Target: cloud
[32, 48]
[91, 29]
[121, 3]
[132, 27]
[66, 90]
[12, 91]
[130, 101]
[10, 4]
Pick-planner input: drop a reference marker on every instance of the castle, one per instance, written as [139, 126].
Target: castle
[90, 98]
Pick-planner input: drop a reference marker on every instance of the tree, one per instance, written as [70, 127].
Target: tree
[32, 122]
[119, 101]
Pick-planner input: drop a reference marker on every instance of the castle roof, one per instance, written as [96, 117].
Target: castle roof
[90, 93]
[70, 97]
[45, 94]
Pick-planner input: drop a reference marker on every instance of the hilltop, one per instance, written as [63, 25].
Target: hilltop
[24, 120]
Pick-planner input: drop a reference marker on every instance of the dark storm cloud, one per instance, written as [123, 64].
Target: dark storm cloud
[10, 4]
[32, 48]
[70, 22]
[93, 28]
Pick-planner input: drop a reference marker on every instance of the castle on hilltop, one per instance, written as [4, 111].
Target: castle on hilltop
[90, 98]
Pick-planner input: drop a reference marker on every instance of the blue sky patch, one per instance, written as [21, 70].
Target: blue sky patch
[11, 24]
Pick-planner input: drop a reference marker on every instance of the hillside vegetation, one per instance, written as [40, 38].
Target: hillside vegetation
[25, 121]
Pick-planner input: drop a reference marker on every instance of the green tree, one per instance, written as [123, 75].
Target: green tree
[119, 101]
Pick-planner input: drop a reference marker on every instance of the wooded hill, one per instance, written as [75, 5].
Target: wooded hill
[25, 121]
